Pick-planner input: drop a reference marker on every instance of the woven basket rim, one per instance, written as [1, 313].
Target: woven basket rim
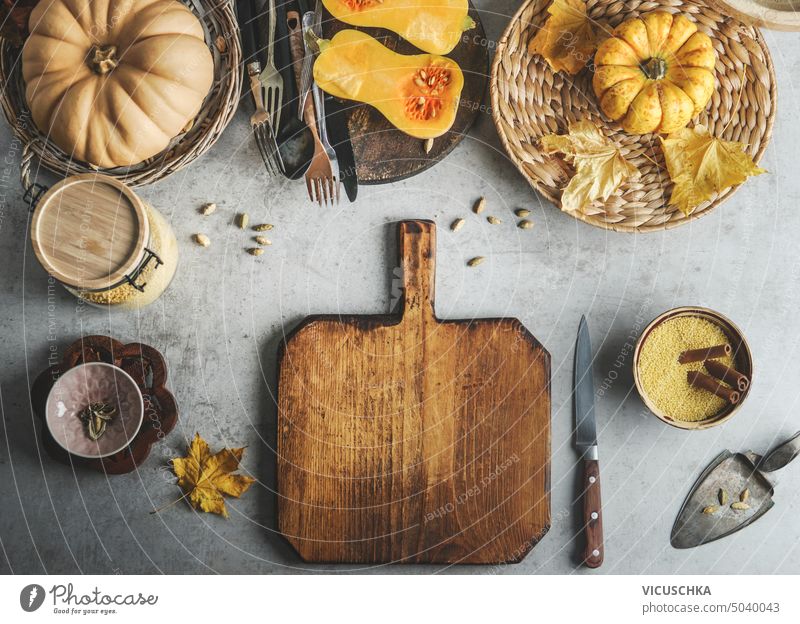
[216, 113]
[595, 220]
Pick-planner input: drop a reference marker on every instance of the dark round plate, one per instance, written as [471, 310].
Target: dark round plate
[384, 154]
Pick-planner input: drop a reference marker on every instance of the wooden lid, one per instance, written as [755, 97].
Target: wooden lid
[89, 231]
[777, 14]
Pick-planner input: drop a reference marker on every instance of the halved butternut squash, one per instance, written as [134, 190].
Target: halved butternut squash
[433, 26]
[417, 93]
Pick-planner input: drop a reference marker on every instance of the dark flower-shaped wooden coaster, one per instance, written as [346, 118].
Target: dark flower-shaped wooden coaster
[147, 368]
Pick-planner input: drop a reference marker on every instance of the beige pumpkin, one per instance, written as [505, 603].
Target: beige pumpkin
[112, 82]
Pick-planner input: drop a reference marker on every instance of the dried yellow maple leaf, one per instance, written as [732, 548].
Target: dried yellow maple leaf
[568, 39]
[600, 168]
[204, 477]
[700, 165]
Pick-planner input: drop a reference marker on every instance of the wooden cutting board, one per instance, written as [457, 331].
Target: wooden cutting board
[405, 438]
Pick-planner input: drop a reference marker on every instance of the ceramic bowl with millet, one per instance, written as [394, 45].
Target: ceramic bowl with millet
[85, 385]
[661, 380]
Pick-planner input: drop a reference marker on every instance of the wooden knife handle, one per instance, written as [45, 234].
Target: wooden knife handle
[592, 514]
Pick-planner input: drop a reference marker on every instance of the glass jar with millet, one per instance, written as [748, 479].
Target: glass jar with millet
[103, 243]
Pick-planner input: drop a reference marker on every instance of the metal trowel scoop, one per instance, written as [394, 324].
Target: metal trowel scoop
[705, 518]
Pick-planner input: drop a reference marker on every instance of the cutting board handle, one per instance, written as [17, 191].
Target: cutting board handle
[418, 261]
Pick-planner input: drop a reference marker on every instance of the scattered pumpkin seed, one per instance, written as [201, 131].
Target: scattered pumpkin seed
[479, 206]
[740, 506]
[710, 509]
[525, 224]
[262, 240]
[522, 212]
[457, 225]
[745, 495]
[241, 220]
[202, 240]
[262, 227]
[255, 251]
[428, 145]
[494, 220]
[207, 209]
[722, 497]
[475, 261]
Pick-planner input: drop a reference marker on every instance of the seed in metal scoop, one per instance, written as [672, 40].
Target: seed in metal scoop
[722, 496]
[740, 506]
[710, 509]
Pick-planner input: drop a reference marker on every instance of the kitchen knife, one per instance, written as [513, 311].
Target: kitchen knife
[586, 443]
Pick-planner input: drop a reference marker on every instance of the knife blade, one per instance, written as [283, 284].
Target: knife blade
[586, 443]
[336, 115]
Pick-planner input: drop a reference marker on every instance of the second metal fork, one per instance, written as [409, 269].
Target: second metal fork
[262, 127]
[270, 77]
[320, 179]
[312, 23]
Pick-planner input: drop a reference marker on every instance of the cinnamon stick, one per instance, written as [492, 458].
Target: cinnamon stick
[709, 384]
[730, 376]
[710, 353]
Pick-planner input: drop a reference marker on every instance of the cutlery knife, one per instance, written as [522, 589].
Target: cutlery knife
[586, 444]
[339, 134]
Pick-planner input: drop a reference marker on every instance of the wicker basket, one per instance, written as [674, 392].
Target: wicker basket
[219, 23]
[529, 100]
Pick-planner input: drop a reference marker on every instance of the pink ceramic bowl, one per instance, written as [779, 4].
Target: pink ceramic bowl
[94, 382]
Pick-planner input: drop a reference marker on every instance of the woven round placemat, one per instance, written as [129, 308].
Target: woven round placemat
[221, 31]
[530, 100]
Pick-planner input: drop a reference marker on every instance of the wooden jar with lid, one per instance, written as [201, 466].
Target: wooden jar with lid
[103, 243]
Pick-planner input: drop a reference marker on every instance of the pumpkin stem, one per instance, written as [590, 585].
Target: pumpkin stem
[102, 58]
[654, 68]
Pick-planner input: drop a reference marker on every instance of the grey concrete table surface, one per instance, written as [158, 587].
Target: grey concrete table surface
[221, 320]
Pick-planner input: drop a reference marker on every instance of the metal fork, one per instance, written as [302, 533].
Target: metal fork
[308, 59]
[270, 76]
[262, 126]
[320, 180]
[260, 121]
[312, 21]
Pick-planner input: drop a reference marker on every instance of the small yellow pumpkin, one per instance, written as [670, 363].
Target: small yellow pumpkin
[111, 82]
[654, 73]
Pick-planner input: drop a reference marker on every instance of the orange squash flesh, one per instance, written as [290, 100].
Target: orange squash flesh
[434, 26]
[418, 94]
